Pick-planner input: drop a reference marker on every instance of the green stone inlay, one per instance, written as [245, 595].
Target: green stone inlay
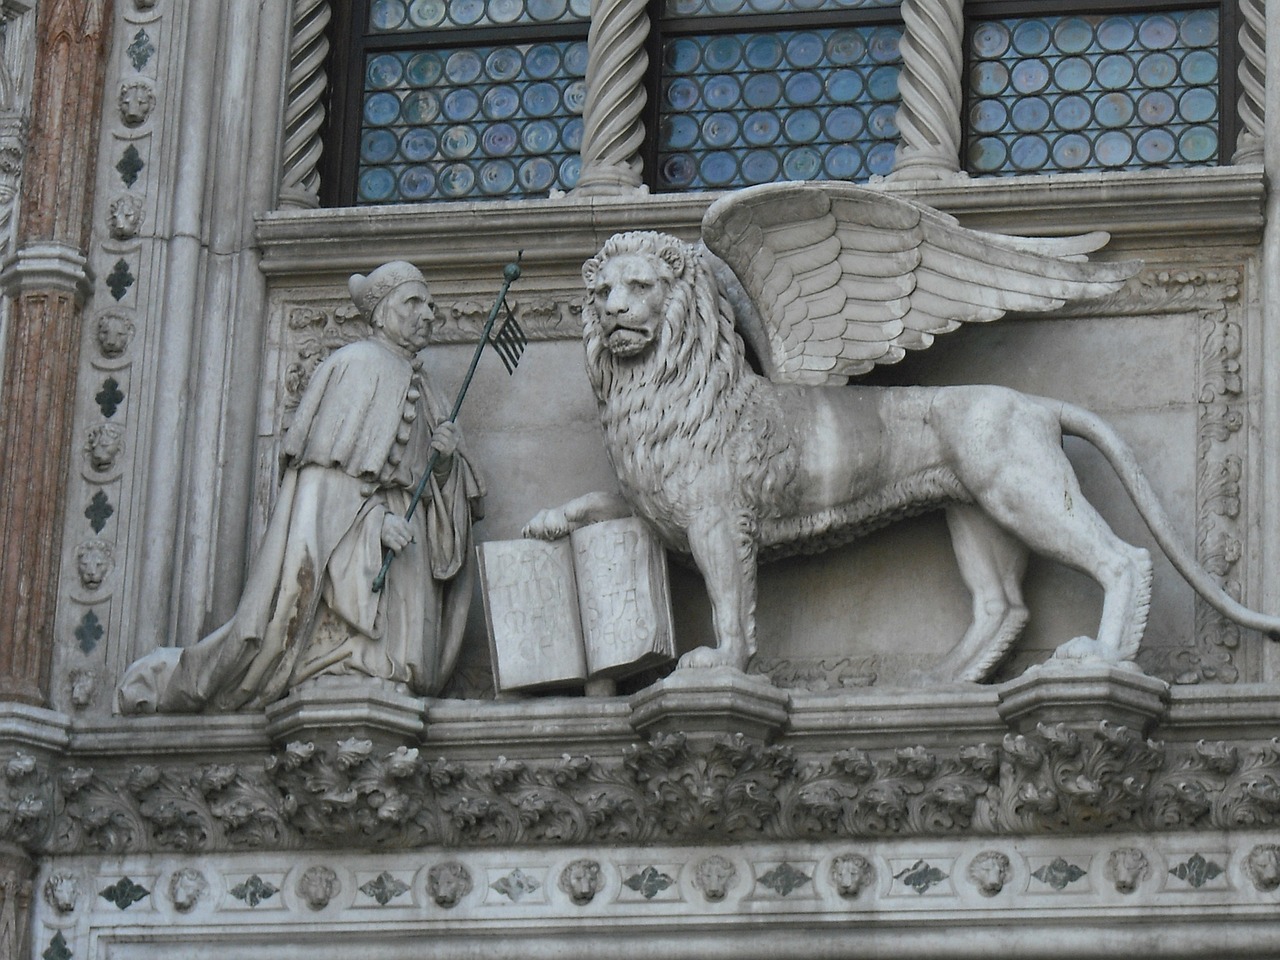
[58, 949]
[920, 876]
[99, 511]
[254, 890]
[89, 632]
[130, 165]
[384, 888]
[784, 879]
[109, 397]
[649, 882]
[119, 280]
[124, 893]
[1059, 874]
[141, 49]
[1197, 871]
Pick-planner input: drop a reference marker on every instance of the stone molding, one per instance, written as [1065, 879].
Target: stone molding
[706, 900]
[1072, 779]
[46, 265]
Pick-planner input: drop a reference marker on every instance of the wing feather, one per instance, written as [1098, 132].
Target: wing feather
[846, 277]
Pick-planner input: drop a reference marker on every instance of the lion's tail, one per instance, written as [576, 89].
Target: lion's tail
[1081, 423]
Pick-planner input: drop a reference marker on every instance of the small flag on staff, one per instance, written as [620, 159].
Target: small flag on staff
[509, 341]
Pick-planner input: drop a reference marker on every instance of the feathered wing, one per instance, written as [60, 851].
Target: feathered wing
[845, 277]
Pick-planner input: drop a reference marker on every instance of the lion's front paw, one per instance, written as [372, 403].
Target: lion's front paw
[1083, 648]
[709, 658]
[549, 524]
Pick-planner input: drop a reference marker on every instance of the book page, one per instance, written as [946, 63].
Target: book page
[531, 611]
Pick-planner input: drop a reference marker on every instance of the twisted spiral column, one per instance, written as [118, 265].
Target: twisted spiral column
[613, 130]
[932, 65]
[304, 113]
[1252, 79]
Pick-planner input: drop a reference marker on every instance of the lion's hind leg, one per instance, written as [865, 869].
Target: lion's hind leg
[991, 564]
[1028, 486]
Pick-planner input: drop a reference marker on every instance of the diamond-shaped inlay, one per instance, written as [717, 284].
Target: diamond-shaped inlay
[254, 890]
[1058, 874]
[649, 882]
[1197, 871]
[140, 50]
[784, 879]
[99, 511]
[89, 632]
[130, 165]
[109, 397]
[119, 280]
[515, 885]
[920, 876]
[58, 949]
[384, 888]
[124, 893]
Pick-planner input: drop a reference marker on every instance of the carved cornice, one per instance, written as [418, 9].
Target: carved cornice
[669, 790]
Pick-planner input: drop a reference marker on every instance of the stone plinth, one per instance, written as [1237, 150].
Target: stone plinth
[704, 703]
[1081, 694]
[339, 708]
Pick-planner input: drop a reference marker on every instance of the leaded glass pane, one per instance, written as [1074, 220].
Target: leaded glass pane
[720, 8]
[395, 16]
[471, 123]
[741, 108]
[1127, 91]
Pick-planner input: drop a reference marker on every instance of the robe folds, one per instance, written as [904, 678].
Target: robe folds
[358, 443]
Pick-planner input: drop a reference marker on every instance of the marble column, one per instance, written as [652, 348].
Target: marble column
[613, 126]
[16, 872]
[47, 281]
[1253, 82]
[932, 64]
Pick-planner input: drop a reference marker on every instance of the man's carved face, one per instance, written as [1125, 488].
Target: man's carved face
[406, 315]
[630, 294]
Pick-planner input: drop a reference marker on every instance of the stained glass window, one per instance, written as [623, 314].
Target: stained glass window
[496, 116]
[738, 106]
[1095, 92]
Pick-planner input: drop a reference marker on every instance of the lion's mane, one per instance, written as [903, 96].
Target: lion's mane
[691, 390]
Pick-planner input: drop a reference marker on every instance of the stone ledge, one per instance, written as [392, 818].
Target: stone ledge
[1217, 205]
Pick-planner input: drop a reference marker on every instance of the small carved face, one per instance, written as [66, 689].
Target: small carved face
[629, 293]
[851, 873]
[317, 886]
[84, 683]
[137, 98]
[715, 876]
[1263, 866]
[125, 216]
[103, 443]
[1127, 868]
[186, 887]
[61, 891]
[94, 560]
[405, 316]
[447, 883]
[114, 333]
[581, 881]
[990, 871]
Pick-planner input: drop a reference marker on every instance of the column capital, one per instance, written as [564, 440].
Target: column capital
[46, 265]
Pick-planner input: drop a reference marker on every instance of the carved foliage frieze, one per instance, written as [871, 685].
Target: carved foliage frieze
[668, 790]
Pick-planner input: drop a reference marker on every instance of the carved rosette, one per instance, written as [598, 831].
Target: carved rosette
[613, 128]
[304, 113]
[932, 65]
[1252, 80]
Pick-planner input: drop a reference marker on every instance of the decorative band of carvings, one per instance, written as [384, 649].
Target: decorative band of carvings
[1057, 780]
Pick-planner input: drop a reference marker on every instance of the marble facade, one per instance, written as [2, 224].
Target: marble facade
[837, 808]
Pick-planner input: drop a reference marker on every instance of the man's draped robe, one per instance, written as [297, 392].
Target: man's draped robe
[359, 441]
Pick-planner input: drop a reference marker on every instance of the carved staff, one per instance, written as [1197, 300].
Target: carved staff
[509, 342]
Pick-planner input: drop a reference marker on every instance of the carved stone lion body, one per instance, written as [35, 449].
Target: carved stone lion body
[731, 467]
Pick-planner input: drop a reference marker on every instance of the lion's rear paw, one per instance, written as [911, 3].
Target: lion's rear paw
[707, 658]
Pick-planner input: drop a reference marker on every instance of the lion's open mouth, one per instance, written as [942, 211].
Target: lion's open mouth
[626, 342]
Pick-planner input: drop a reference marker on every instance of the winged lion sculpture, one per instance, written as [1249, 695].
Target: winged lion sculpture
[734, 467]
